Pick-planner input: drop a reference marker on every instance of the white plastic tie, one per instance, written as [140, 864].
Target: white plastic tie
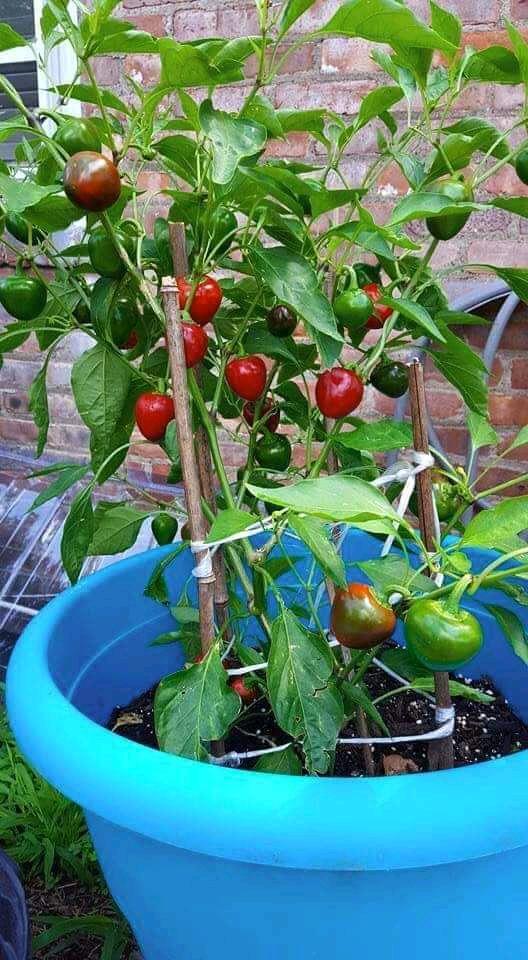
[203, 570]
[444, 714]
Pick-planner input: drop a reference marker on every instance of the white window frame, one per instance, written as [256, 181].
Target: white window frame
[61, 64]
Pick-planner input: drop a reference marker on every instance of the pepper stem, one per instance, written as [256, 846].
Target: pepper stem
[452, 603]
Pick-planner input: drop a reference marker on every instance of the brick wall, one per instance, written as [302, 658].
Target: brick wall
[334, 73]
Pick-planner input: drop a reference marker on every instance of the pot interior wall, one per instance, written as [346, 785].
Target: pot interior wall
[108, 658]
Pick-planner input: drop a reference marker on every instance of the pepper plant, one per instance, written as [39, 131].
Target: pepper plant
[296, 298]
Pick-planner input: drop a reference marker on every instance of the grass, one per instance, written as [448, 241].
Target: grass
[46, 835]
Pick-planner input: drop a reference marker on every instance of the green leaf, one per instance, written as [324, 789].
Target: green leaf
[309, 121]
[517, 205]
[193, 707]
[185, 65]
[88, 94]
[336, 498]
[376, 103]
[295, 283]
[378, 437]
[261, 110]
[69, 474]
[258, 339]
[77, 534]
[181, 154]
[388, 574]
[116, 528]
[53, 213]
[497, 528]
[455, 154]
[484, 135]
[493, 65]
[183, 613]
[520, 48]
[417, 206]
[456, 689]
[402, 662]
[316, 537]
[38, 405]
[303, 694]
[228, 522]
[355, 697]
[292, 10]
[285, 762]
[384, 21]
[513, 629]
[102, 387]
[232, 139]
[520, 440]
[20, 194]
[120, 36]
[481, 431]
[516, 278]
[156, 587]
[322, 201]
[417, 314]
[9, 38]
[447, 24]
[464, 369]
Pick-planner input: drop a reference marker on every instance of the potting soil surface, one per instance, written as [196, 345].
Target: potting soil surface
[483, 731]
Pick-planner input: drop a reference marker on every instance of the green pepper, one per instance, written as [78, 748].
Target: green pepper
[441, 635]
[23, 297]
[444, 228]
[104, 257]
[273, 452]
[521, 166]
[448, 495]
[391, 378]
[353, 308]
[76, 134]
[164, 528]
[358, 619]
[19, 229]
[81, 312]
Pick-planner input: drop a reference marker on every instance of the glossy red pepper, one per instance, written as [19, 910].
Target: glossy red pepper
[247, 376]
[154, 412]
[358, 619]
[195, 344]
[381, 313]
[91, 181]
[338, 392]
[206, 300]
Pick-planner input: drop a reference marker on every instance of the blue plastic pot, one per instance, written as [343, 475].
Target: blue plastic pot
[208, 862]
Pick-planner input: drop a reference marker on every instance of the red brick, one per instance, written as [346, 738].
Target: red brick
[503, 475]
[519, 9]
[391, 182]
[108, 70]
[143, 68]
[502, 253]
[453, 440]
[194, 24]
[442, 405]
[152, 23]
[506, 410]
[343, 55]
[153, 180]
[469, 11]
[343, 97]
[238, 21]
[294, 145]
[519, 373]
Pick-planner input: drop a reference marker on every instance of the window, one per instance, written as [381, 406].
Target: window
[21, 68]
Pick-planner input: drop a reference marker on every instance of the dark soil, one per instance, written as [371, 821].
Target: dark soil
[483, 731]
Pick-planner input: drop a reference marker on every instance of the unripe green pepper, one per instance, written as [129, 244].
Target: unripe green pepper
[441, 635]
[444, 228]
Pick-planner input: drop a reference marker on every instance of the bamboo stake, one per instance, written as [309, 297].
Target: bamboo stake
[203, 454]
[191, 478]
[332, 464]
[440, 752]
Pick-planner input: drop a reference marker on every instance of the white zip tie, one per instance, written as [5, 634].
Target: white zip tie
[444, 714]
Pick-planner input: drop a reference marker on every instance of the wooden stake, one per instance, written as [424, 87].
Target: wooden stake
[331, 460]
[440, 752]
[191, 478]
[203, 454]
